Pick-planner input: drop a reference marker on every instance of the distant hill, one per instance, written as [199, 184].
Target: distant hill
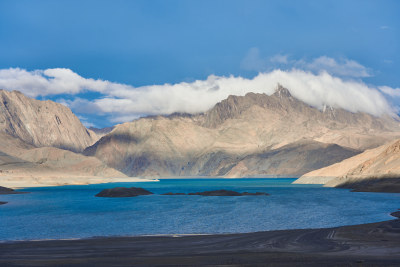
[101, 131]
[381, 163]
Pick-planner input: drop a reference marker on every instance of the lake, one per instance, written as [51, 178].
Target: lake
[74, 212]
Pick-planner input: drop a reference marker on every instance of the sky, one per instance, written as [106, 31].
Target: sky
[114, 61]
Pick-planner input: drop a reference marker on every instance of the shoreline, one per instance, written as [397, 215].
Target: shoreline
[80, 181]
[97, 180]
[373, 244]
[394, 215]
[223, 177]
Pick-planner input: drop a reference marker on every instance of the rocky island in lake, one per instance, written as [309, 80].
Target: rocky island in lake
[123, 192]
[137, 191]
[9, 191]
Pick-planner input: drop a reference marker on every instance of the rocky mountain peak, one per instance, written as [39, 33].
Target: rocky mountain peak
[42, 123]
[281, 91]
[234, 106]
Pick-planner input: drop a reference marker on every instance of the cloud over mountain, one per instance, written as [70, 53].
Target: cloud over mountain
[124, 102]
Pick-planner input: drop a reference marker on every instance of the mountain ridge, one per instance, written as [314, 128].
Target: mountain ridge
[241, 136]
[232, 130]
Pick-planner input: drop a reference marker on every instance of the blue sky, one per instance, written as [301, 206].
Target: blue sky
[144, 43]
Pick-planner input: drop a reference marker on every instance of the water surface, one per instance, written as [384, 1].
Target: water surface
[74, 212]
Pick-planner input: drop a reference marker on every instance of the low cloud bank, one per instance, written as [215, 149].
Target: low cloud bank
[124, 102]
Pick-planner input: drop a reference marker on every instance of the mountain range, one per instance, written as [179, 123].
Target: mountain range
[39, 145]
[242, 136]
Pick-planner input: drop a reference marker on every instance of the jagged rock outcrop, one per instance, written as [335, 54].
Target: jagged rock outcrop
[42, 123]
[255, 134]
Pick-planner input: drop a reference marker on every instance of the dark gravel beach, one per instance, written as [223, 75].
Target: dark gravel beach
[375, 244]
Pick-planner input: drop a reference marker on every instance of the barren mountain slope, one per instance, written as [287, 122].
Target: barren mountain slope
[292, 160]
[233, 131]
[339, 169]
[42, 123]
[24, 165]
[377, 163]
[282, 119]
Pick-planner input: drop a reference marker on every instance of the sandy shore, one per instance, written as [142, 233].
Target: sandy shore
[375, 244]
[43, 181]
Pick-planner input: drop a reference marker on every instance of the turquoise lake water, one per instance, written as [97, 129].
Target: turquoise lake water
[74, 212]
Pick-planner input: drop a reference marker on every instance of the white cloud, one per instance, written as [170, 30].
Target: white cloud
[124, 102]
[118, 118]
[393, 92]
[281, 59]
[81, 105]
[85, 122]
[53, 82]
[253, 60]
[344, 68]
[384, 27]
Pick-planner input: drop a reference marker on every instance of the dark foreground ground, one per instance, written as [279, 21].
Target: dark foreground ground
[376, 244]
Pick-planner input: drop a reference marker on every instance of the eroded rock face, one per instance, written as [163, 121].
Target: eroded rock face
[123, 192]
[42, 123]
